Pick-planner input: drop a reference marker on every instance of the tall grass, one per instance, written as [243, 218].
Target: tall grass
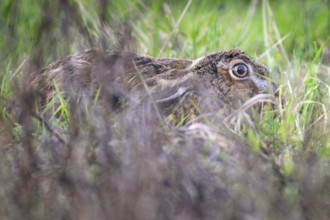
[73, 162]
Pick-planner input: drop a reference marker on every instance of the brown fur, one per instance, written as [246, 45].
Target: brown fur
[205, 80]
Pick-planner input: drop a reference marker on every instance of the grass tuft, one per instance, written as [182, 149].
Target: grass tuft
[72, 160]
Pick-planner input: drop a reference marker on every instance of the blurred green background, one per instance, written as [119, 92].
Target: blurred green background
[290, 36]
[166, 28]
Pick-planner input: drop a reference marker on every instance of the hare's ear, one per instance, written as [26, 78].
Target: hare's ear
[173, 96]
[178, 64]
[142, 60]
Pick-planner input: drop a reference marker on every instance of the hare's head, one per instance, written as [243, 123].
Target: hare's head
[234, 75]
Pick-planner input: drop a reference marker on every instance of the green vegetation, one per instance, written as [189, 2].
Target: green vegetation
[290, 37]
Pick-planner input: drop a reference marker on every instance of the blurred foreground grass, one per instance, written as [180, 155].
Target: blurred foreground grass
[290, 37]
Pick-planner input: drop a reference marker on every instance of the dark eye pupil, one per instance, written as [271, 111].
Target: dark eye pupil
[241, 70]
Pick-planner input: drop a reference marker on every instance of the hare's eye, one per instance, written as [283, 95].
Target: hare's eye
[240, 71]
